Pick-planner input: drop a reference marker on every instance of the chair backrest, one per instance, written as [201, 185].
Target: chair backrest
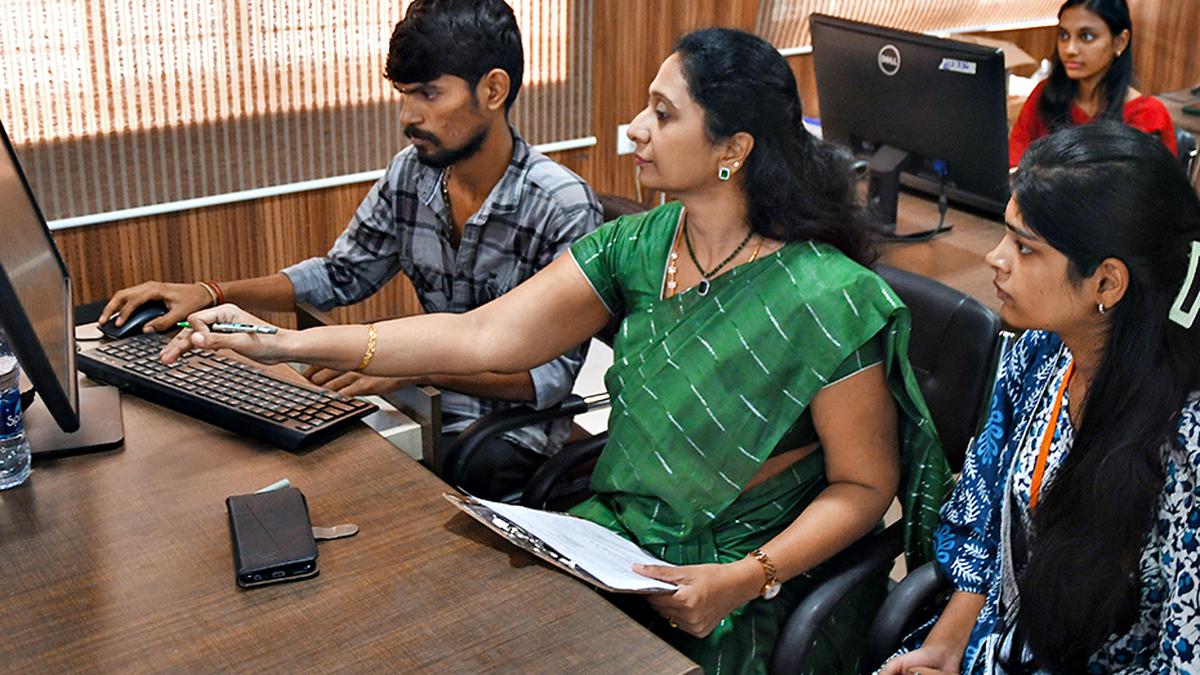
[615, 206]
[1189, 154]
[953, 352]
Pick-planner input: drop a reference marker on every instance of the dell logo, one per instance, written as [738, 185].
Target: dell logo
[889, 60]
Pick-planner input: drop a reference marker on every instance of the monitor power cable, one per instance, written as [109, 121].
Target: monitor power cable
[943, 174]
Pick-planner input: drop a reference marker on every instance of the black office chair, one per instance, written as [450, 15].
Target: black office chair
[456, 459]
[1189, 154]
[916, 598]
[953, 350]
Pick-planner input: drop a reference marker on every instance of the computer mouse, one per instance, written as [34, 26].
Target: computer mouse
[142, 314]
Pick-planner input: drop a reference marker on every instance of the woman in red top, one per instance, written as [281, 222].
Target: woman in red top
[1093, 69]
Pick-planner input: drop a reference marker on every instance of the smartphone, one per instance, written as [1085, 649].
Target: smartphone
[272, 537]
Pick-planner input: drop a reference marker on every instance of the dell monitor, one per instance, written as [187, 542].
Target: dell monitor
[927, 112]
[37, 317]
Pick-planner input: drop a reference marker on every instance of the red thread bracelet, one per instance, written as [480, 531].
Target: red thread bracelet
[217, 288]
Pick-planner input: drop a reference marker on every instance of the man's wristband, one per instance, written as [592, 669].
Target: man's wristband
[217, 291]
[212, 295]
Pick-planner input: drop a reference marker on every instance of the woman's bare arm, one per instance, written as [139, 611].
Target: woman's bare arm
[856, 422]
[544, 317]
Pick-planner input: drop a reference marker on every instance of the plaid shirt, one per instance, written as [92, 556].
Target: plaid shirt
[531, 216]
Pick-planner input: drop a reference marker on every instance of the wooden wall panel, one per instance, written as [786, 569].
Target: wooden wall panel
[231, 241]
[1165, 54]
[1037, 42]
[786, 22]
[631, 39]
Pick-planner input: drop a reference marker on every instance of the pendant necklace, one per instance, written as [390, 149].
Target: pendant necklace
[706, 277]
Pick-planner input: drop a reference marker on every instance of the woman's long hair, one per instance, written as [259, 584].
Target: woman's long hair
[1059, 94]
[1094, 192]
[797, 186]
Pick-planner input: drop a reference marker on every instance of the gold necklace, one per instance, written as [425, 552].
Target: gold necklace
[757, 248]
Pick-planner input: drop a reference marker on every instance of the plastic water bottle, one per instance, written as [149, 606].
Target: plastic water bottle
[14, 449]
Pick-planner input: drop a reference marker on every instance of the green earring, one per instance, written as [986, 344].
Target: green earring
[724, 173]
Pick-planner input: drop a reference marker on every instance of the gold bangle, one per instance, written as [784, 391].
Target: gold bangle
[372, 338]
[211, 293]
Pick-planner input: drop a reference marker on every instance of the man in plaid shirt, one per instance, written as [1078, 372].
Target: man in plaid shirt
[467, 212]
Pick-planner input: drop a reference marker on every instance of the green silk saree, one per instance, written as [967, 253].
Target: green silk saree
[704, 387]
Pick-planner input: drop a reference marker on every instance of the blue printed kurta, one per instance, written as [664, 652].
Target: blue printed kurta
[969, 544]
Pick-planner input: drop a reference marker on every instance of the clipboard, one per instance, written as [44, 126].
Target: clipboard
[505, 520]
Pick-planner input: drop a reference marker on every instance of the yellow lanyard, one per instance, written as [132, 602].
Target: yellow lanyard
[1039, 469]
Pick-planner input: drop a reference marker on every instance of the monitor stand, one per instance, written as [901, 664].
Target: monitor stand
[100, 426]
[883, 195]
[883, 190]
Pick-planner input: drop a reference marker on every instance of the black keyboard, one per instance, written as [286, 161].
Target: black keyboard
[224, 392]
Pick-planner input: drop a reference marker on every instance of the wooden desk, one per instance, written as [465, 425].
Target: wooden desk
[955, 258]
[1174, 101]
[121, 562]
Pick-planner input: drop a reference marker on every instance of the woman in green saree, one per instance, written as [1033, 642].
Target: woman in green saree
[764, 411]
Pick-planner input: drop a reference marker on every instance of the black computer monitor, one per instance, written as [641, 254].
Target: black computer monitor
[928, 112]
[37, 316]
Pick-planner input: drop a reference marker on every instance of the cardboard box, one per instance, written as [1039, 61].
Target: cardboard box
[1016, 60]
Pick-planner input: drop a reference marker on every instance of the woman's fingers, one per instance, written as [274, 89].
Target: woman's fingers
[671, 575]
[198, 335]
[177, 346]
[226, 313]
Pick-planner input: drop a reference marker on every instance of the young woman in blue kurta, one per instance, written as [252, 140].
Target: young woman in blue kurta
[1072, 540]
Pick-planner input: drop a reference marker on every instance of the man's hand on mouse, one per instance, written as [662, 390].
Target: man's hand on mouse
[181, 299]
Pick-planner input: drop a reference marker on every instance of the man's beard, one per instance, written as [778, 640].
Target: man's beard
[444, 157]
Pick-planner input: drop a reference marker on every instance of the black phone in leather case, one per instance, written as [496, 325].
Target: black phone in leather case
[272, 537]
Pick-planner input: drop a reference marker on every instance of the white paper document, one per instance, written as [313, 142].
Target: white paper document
[580, 545]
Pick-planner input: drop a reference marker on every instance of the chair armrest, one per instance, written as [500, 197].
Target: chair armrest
[308, 316]
[457, 457]
[896, 617]
[538, 492]
[855, 564]
[423, 404]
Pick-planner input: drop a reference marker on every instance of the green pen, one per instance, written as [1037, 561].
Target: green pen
[220, 327]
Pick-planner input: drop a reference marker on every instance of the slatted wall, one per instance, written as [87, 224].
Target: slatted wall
[631, 39]
[127, 104]
[785, 22]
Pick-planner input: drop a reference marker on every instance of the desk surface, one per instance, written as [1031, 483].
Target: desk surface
[955, 258]
[121, 561]
[1174, 101]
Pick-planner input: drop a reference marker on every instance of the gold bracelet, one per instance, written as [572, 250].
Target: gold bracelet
[372, 338]
[770, 588]
[211, 293]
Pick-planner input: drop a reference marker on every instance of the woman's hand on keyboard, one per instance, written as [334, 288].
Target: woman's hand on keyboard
[261, 348]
